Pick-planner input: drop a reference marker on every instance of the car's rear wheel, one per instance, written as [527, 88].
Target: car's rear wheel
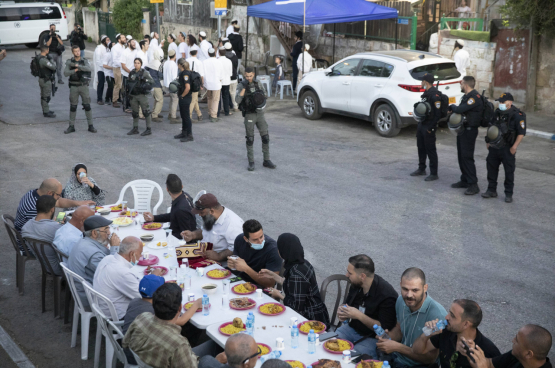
[385, 121]
[310, 105]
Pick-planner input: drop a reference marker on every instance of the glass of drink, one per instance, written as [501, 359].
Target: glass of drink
[226, 284]
[123, 206]
[185, 262]
[233, 257]
[188, 281]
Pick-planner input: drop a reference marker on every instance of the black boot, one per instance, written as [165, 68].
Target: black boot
[251, 166]
[146, 132]
[418, 172]
[133, 131]
[431, 177]
[489, 194]
[472, 189]
[49, 114]
[188, 138]
[70, 129]
[180, 135]
[459, 184]
[269, 164]
[509, 199]
[91, 129]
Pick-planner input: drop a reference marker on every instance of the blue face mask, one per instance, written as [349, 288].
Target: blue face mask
[258, 246]
[135, 262]
[502, 107]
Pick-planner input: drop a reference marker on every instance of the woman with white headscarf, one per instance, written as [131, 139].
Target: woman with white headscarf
[153, 68]
[307, 63]
[98, 75]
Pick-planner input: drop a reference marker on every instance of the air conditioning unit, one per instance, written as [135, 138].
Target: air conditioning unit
[214, 16]
[275, 46]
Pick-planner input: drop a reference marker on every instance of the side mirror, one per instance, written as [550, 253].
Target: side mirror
[328, 71]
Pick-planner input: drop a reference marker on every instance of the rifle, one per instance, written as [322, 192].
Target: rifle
[54, 87]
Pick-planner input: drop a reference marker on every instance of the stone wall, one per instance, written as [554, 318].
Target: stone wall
[545, 81]
[348, 46]
[90, 24]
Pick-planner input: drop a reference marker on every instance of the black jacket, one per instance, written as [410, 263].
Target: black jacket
[235, 62]
[432, 97]
[78, 38]
[236, 41]
[471, 105]
[296, 51]
[512, 123]
[180, 216]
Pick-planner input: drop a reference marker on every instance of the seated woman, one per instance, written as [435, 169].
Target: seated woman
[82, 187]
[299, 282]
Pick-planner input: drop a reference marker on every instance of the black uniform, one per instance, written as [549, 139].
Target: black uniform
[185, 103]
[295, 52]
[513, 123]
[78, 38]
[426, 131]
[471, 105]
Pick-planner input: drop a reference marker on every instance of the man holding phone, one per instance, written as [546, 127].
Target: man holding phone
[55, 49]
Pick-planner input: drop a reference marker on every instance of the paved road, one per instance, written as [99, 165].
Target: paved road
[339, 186]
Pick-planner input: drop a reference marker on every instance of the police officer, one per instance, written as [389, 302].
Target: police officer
[471, 106]
[78, 70]
[139, 85]
[254, 116]
[511, 124]
[426, 131]
[46, 73]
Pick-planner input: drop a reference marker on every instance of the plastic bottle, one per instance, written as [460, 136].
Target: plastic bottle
[276, 354]
[311, 342]
[294, 337]
[440, 325]
[250, 325]
[386, 364]
[251, 314]
[181, 278]
[381, 333]
[205, 305]
[346, 322]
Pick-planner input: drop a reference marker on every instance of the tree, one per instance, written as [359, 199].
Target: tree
[537, 14]
[128, 15]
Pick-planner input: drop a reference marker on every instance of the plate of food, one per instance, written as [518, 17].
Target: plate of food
[244, 288]
[98, 208]
[295, 364]
[116, 208]
[370, 364]
[231, 328]
[152, 226]
[242, 303]
[337, 346]
[152, 260]
[149, 269]
[158, 245]
[326, 363]
[218, 274]
[271, 309]
[189, 304]
[122, 221]
[306, 326]
[264, 349]
[129, 213]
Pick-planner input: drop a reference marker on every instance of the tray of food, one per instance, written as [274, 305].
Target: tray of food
[116, 208]
[271, 309]
[326, 363]
[306, 326]
[129, 213]
[152, 226]
[370, 364]
[264, 349]
[187, 306]
[242, 303]
[122, 221]
[244, 288]
[337, 346]
[295, 364]
[149, 270]
[231, 328]
[218, 274]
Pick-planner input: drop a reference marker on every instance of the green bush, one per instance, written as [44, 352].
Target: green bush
[127, 16]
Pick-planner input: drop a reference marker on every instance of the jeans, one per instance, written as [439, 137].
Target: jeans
[184, 107]
[59, 67]
[225, 98]
[366, 346]
[100, 87]
[110, 89]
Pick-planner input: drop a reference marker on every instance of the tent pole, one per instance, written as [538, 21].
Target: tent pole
[333, 54]
[396, 29]
[247, 51]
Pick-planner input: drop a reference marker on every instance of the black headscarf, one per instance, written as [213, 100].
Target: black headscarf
[290, 250]
[79, 167]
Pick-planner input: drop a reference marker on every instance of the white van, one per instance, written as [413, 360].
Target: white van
[29, 23]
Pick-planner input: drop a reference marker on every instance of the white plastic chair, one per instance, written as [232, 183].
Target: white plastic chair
[142, 194]
[266, 80]
[281, 85]
[95, 298]
[139, 361]
[112, 333]
[78, 310]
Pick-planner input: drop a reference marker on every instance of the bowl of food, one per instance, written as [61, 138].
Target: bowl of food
[231, 328]
[209, 288]
[295, 364]
[271, 309]
[244, 288]
[337, 346]
[147, 237]
[305, 327]
[104, 211]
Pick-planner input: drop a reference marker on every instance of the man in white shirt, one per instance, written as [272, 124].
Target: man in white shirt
[72, 232]
[229, 29]
[197, 66]
[142, 53]
[172, 45]
[154, 44]
[99, 77]
[221, 227]
[170, 73]
[127, 64]
[227, 69]
[114, 279]
[182, 49]
[204, 47]
[117, 55]
[213, 76]
[462, 58]
[230, 54]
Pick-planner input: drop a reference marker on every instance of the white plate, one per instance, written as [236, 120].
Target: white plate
[115, 224]
[152, 245]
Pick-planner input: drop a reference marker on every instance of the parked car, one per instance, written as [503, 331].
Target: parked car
[381, 87]
[29, 23]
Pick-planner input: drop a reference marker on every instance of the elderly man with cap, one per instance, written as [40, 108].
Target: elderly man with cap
[231, 55]
[204, 46]
[72, 232]
[183, 48]
[221, 226]
[461, 57]
[173, 46]
[510, 123]
[227, 69]
[229, 30]
[213, 77]
[171, 72]
[117, 57]
[87, 254]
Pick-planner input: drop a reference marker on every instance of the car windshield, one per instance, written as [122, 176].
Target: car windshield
[441, 72]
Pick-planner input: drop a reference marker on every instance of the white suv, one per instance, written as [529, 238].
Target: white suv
[381, 87]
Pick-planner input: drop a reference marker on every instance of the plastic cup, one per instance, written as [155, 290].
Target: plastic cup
[294, 322]
[146, 254]
[226, 284]
[200, 271]
[259, 293]
[191, 297]
[233, 257]
[280, 345]
[123, 206]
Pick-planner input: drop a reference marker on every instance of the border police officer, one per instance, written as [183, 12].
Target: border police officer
[47, 70]
[511, 127]
[472, 106]
[78, 70]
[139, 85]
[250, 92]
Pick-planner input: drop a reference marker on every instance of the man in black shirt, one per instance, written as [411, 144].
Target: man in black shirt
[463, 319]
[180, 216]
[530, 348]
[295, 52]
[53, 40]
[78, 37]
[255, 251]
[371, 301]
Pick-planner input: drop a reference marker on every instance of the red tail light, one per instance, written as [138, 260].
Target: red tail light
[412, 88]
[64, 13]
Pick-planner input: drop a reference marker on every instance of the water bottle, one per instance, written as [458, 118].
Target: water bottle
[294, 337]
[276, 354]
[205, 305]
[181, 278]
[311, 342]
[440, 325]
[251, 315]
[250, 325]
[345, 322]
[386, 364]
[381, 333]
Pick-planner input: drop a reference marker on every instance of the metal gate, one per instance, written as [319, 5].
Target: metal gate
[106, 26]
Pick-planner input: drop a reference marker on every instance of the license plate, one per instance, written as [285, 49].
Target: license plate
[452, 100]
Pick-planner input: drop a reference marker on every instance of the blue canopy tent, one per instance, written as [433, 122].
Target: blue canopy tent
[307, 12]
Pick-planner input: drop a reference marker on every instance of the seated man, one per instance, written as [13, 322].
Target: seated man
[180, 216]
[42, 227]
[531, 346]
[463, 319]
[87, 254]
[72, 232]
[221, 227]
[371, 301]
[255, 251]
[413, 308]
[241, 351]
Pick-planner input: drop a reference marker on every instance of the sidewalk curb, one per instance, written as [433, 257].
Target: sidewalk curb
[14, 352]
[539, 133]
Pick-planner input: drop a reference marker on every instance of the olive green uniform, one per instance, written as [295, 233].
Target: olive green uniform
[252, 119]
[78, 86]
[48, 68]
[139, 99]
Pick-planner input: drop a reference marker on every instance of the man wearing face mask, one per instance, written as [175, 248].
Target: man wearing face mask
[511, 122]
[255, 251]
[115, 280]
[72, 232]
[221, 226]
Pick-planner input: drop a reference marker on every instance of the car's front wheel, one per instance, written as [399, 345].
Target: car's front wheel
[310, 106]
[385, 121]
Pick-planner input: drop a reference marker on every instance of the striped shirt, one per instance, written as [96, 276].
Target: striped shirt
[27, 209]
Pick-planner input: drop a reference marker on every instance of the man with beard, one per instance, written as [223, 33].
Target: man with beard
[463, 319]
[127, 65]
[87, 254]
[221, 227]
[371, 301]
[413, 308]
[117, 58]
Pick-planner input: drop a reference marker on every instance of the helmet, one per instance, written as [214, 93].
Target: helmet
[421, 111]
[456, 123]
[495, 137]
[174, 86]
[259, 99]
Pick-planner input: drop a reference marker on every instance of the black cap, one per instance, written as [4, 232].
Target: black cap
[428, 78]
[505, 97]
[96, 222]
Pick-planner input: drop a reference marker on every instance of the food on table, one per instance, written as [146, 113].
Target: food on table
[263, 349]
[295, 363]
[162, 244]
[97, 208]
[245, 288]
[152, 225]
[242, 303]
[369, 364]
[328, 363]
[312, 325]
[147, 237]
[150, 269]
[271, 308]
[128, 213]
[116, 208]
[188, 305]
[237, 322]
[232, 328]
[122, 221]
[218, 273]
[338, 345]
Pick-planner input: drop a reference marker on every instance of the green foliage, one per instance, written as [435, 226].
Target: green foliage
[525, 13]
[127, 16]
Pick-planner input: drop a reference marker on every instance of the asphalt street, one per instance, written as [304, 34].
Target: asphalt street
[338, 185]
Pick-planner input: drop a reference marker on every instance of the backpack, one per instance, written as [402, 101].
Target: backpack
[35, 66]
[196, 82]
[488, 112]
[444, 102]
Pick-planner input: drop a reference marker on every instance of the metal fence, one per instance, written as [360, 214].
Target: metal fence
[106, 25]
[192, 12]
